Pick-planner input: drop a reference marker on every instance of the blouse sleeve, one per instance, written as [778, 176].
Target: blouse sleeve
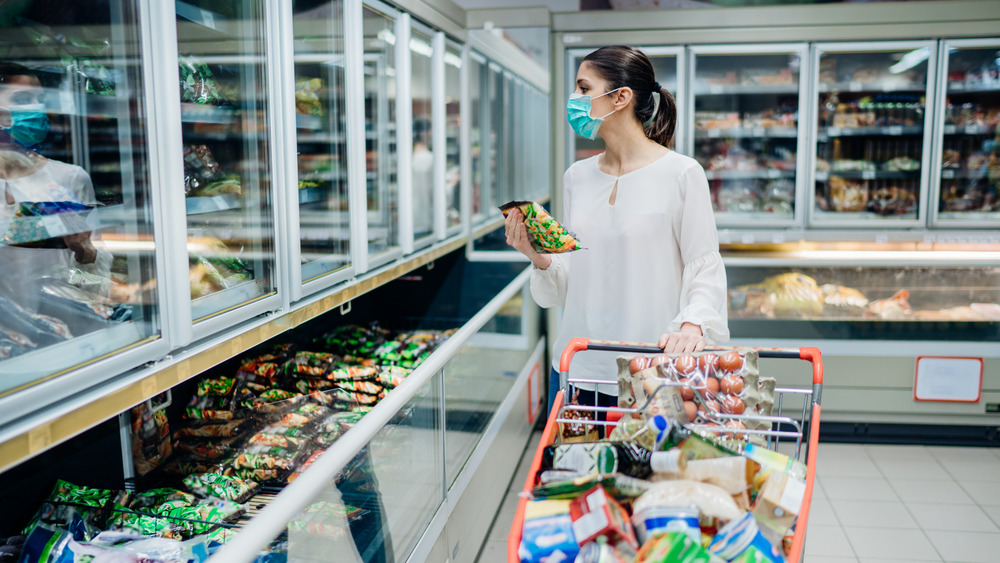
[549, 286]
[703, 285]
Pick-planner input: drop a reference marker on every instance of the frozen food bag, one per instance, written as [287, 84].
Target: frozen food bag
[151, 444]
[547, 235]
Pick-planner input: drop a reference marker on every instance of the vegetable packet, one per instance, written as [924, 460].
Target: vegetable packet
[221, 486]
[547, 235]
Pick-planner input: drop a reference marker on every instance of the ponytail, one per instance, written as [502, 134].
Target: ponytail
[664, 121]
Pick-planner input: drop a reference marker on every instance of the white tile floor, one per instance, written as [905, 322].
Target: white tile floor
[874, 504]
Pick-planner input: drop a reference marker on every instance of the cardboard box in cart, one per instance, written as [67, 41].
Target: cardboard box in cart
[773, 497]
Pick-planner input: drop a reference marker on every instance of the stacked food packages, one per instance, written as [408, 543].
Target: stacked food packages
[258, 428]
[684, 476]
[794, 295]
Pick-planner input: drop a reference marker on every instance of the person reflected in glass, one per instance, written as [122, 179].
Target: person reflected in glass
[45, 202]
[650, 269]
[423, 178]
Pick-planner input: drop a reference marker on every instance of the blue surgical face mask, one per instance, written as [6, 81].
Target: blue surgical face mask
[578, 114]
[29, 124]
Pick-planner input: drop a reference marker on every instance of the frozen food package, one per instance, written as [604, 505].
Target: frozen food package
[221, 486]
[548, 532]
[150, 435]
[547, 235]
[676, 547]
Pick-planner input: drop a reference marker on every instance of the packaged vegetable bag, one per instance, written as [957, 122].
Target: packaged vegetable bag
[547, 235]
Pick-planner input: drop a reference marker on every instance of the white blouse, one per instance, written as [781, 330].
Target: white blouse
[649, 263]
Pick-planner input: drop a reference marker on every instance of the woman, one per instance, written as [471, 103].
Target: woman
[27, 177]
[651, 266]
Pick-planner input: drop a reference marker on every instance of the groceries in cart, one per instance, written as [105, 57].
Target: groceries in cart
[685, 475]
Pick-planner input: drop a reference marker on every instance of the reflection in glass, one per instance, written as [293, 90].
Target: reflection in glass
[665, 70]
[870, 134]
[496, 129]
[423, 150]
[970, 160]
[452, 124]
[320, 131]
[76, 242]
[477, 123]
[226, 177]
[746, 131]
[380, 130]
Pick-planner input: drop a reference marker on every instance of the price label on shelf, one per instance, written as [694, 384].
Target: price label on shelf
[881, 239]
[949, 129]
[948, 174]
[772, 173]
[867, 174]
[759, 132]
[747, 238]
[895, 130]
[855, 86]
[714, 133]
[777, 238]
[948, 379]
[715, 89]
[833, 131]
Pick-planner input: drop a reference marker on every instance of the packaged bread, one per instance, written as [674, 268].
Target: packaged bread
[547, 235]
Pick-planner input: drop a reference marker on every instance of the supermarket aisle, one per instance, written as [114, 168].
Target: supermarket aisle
[875, 504]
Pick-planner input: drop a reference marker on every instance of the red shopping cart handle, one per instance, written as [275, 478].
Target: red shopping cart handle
[579, 344]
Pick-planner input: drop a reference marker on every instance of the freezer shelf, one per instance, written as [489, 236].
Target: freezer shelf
[746, 131]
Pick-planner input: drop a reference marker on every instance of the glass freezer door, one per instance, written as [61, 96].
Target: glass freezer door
[227, 182]
[478, 80]
[746, 108]
[77, 247]
[665, 68]
[453, 145]
[380, 134]
[324, 223]
[422, 161]
[969, 181]
[872, 134]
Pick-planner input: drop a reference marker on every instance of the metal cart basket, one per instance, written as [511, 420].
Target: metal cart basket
[802, 427]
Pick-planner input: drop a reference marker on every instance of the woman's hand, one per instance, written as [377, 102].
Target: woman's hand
[686, 340]
[517, 237]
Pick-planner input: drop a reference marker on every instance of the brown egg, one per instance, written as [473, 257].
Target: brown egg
[736, 425]
[732, 384]
[686, 392]
[663, 360]
[690, 409]
[731, 362]
[638, 364]
[731, 404]
[712, 386]
[708, 363]
[685, 364]
[712, 406]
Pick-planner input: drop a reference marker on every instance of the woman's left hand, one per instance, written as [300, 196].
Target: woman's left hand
[686, 340]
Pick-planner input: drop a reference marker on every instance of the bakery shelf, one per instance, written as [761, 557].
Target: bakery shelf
[752, 132]
[969, 129]
[872, 87]
[972, 88]
[869, 175]
[730, 89]
[749, 174]
[890, 130]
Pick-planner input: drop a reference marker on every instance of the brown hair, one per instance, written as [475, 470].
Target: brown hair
[621, 66]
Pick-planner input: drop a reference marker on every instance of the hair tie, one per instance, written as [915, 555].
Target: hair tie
[656, 87]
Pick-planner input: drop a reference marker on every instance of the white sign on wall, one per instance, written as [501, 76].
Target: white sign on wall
[948, 379]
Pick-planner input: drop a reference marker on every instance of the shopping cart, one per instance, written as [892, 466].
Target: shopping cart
[804, 430]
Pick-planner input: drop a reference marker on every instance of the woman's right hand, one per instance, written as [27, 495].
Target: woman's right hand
[517, 237]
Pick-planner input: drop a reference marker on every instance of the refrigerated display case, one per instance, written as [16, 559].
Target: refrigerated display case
[422, 176]
[321, 140]
[746, 131]
[967, 185]
[873, 133]
[77, 227]
[381, 150]
[483, 203]
[453, 102]
[668, 66]
[227, 178]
